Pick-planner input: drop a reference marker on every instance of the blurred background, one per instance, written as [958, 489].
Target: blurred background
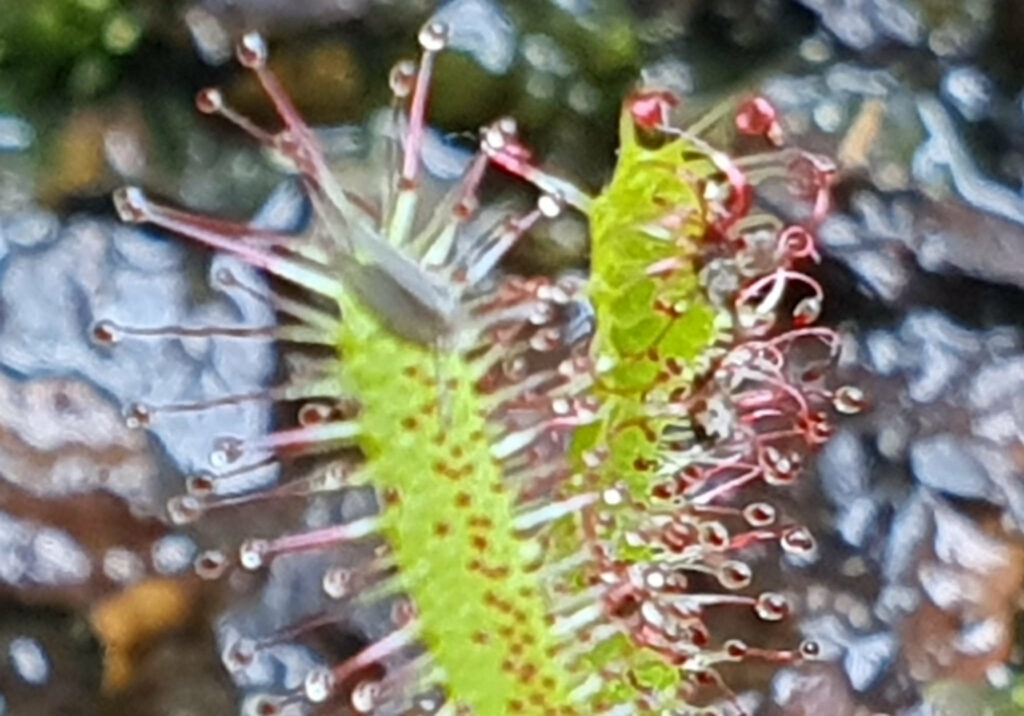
[918, 504]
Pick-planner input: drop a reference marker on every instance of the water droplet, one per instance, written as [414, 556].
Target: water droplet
[209, 100]
[612, 497]
[105, 333]
[759, 514]
[550, 204]
[211, 564]
[778, 469]
[714, 535]
[200, 485]
[849, 400]
[807, 311]
[798, 540]
[336, 582]
[428, 704]
[402, 78]
[318, 685]
[315, 414]
[752, 320]
[736, 649]
[365, 695]
[263, 705]
[224, 278]
[137, 415]
[734, 575]
[541, 315]
[225, 452]
[810, 649]
[771, 606]
[434, 36]
[184, 509]
[655, 579]
[29, 660]
[500, 134]
[130, 204]
[239, 654]
[253, 552]
[403, 612]
[515, 368]
[252, 51]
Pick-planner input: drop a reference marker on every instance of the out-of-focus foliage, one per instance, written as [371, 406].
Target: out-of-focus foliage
[953, 698]
[63, 46]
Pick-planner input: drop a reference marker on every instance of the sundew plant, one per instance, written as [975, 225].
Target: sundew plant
[559, 462]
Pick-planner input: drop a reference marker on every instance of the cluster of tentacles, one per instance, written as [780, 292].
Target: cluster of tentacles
[551, 531]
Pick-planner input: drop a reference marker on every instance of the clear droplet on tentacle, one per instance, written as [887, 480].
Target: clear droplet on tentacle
[714, 535]
[318, 685]
[225, 452]
[754, 321]
[365, 696]
[798, 540]
[200, 485]
[130, 204]
[434, 36]
[211, 564]
[263, 705]
[336, 582]
[771, 606]
[184, 509]
[105, 333]
[760, 514]
[807, 311]
[209, 100]
[402, 78]
[253, 553]
[735, 575]
[849, 400]
[315, 413]
[252, 51]
[501, 134]
[736, 649]
[137, 415]
[239, 654]
[550, 204]
[810, 649]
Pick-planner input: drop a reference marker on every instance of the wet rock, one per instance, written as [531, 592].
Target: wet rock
[946, 27]
[49, 663]
[867, 659]
[99, 270]
[916, 200]
[36, 555]
[29, 660]
[844, 467]
[483, 30]
[944, 463]
[61, 437]
[814, 690]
